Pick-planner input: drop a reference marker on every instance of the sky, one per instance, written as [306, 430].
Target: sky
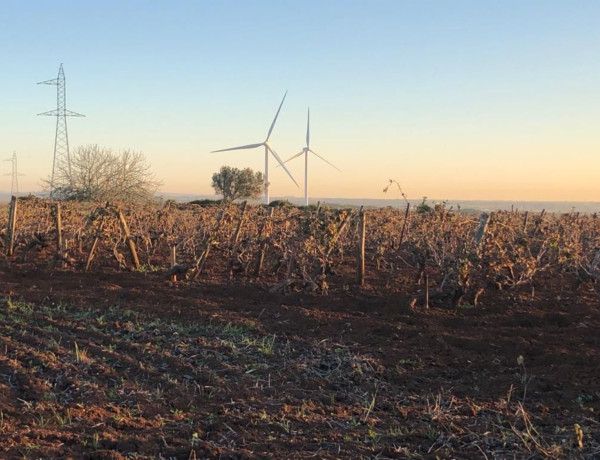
[465, 99]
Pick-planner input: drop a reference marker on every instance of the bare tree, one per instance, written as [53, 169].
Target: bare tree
[99, 174]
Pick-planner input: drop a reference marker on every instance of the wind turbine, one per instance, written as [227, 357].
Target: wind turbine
[268, 149]
[305, 151]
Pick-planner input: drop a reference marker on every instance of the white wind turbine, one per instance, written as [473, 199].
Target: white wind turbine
[268, 149]
[305, 151]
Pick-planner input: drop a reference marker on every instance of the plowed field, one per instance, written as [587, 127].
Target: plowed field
[126, 364]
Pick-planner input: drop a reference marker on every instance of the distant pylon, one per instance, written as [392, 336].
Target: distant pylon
[14, 187]
[61, 141]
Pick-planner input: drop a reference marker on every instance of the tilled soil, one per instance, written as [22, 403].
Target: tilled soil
[117, 364]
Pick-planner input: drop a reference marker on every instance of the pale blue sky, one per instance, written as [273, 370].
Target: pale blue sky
[454, 99]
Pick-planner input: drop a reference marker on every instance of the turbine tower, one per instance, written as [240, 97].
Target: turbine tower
[305, 151]
[268, 149]
[14, 186]
[61, 140]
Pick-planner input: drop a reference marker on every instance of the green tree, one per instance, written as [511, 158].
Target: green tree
[234, 183]
[99, 174]
[424, 208]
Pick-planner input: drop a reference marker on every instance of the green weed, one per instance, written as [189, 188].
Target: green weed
[63, 420]
[81, 354]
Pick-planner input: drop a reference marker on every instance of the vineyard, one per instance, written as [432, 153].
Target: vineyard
[297, 249]
[188, 331]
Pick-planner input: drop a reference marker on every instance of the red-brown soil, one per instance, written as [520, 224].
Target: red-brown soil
[119, 364]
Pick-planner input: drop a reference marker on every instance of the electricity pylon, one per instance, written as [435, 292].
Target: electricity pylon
[61, 141]
[14, 187]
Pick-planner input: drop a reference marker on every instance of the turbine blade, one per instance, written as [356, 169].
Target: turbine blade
[282, 165]
[308, 130]
[295, 156]
[330, 164]
[249, 146]
[275, 119]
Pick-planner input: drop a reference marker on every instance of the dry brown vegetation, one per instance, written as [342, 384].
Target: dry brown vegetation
[266, 346]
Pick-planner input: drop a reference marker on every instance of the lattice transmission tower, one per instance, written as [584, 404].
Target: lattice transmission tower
[14, 187]
[61, 141]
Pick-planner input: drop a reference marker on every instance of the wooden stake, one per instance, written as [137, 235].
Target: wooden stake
[263, 242]
[538, 222]
[291, 262]
[405, 223]
[173, 261]
[236, 235]
[209, 242]
[58, 217]
[283, 285]
[337, 234]
[12, 225]
[58, 223]
[361, 249]
[130, 242]
[426, 291]
[331, 246]
[482, 229]
[95, 243]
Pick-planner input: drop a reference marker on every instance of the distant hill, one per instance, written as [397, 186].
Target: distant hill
[465, 205]
[474, 206]
[5, 196]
